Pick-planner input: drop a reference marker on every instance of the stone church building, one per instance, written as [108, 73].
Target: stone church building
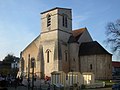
[59, 48]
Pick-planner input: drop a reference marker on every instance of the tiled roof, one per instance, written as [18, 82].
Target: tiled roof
[78, 32]
[76, 35]
[116, 64]
[91, 48]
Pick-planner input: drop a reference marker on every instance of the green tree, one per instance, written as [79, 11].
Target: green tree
[113, 36]
[6, 64]
[10, 58]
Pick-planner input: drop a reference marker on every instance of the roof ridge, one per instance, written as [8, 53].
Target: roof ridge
[54, 9]
[80, 29]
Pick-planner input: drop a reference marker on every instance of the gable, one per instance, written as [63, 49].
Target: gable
[85, 37]
[76, 34]
[35, 41]
[79, 36]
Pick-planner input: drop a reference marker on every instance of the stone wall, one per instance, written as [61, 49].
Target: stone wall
[100, 65]
[85, 37]
[31, 50]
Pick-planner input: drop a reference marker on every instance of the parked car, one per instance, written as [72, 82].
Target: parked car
[116, 86]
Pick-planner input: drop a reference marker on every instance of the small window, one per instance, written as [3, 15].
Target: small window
[90, 66]
[29, 61]
[28, 55]
[66, 77]
[64, 20]
[74, 59]
[48, 20]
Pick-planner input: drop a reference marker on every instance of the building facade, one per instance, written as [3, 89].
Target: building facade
[58, 48]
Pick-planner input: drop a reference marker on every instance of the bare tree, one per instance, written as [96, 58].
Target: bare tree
[113, 35]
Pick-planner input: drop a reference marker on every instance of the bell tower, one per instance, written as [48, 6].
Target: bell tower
[56, 19]
[56, 28]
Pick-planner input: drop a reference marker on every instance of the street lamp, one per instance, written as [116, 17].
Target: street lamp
[32, 65]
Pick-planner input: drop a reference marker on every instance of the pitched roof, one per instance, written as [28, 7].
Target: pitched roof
[116, 64]
[76, 35]
[91, 48]
[78, 32]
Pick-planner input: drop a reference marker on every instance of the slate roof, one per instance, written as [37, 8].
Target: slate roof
[91, 48]
[76, 35]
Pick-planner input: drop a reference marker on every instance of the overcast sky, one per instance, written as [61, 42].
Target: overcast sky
[20, 20]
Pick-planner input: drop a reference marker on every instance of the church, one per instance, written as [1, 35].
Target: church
[59, 48]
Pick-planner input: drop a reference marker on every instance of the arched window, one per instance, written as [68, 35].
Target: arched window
[48, 20]
[29, 63]
[48, 55]
[64, 20]
[33, 62]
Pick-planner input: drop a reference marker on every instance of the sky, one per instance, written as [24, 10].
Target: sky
[20, 20]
